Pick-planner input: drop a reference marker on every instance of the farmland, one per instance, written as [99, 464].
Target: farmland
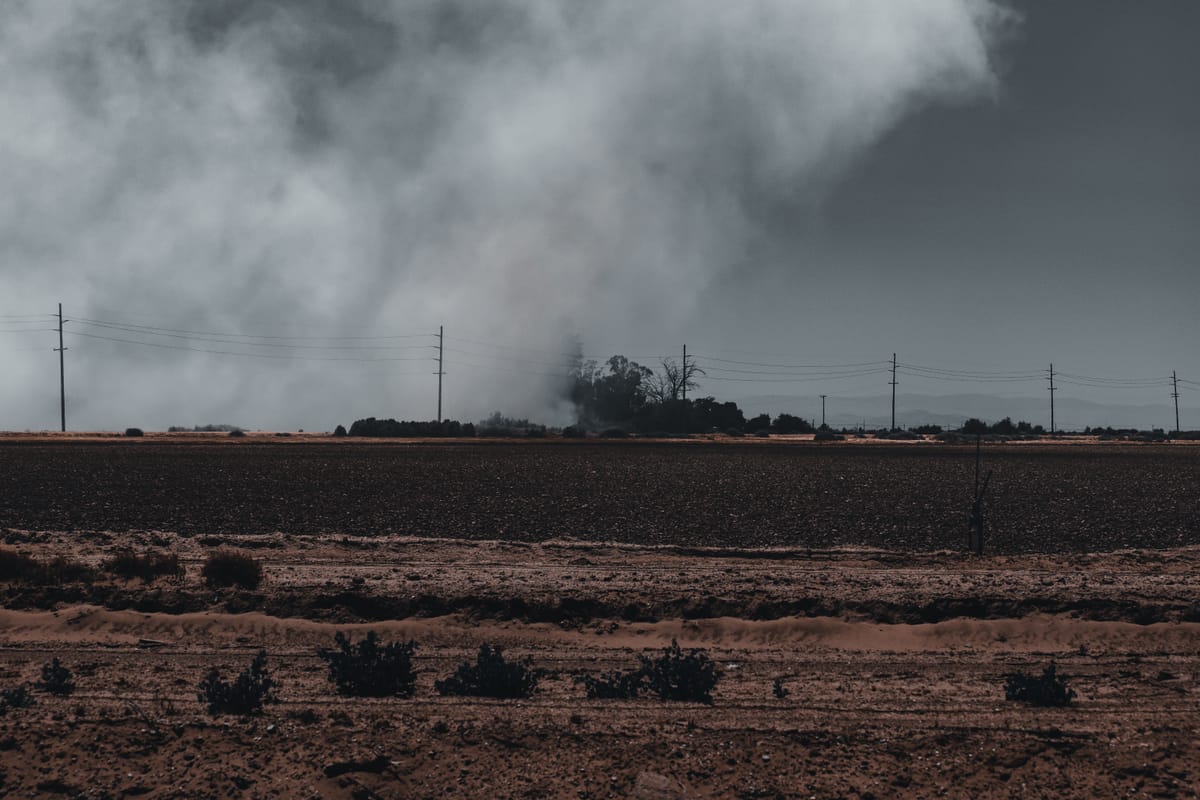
[834, 573]
[903, 497]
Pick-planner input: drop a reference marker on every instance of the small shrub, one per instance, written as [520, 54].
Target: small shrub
[236, 433]
[56, 679]
[134, 432]
[16, 566]
[573, 432]
[671, 676]
[1050, 689]
[230, 568]
[613, 685]
[148, 566]
[26, 569]
[61, 570]
[779, 690]
[490, 676]
[17, 697]
[370, 669]
[614, 433]
[675, 676]
[248, 693]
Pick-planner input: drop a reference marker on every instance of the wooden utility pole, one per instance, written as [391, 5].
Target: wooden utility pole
[893, 391]
[1052, 391]
[440, 372]
[684, 374]
[975, 538]
[62, 374]
[823, 410]
[1175, 395]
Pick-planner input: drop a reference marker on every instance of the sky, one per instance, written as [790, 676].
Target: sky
[272, 206]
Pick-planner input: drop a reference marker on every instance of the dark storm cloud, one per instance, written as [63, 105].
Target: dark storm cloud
[514, 169]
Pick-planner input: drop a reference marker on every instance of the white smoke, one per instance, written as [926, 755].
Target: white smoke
[512, 169]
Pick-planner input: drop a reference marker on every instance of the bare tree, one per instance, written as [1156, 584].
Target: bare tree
[670, 382]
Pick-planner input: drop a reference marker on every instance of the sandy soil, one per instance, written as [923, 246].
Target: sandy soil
[894, 664]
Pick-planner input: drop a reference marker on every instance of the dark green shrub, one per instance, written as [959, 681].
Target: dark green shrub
[1050, 689]
[676, 676]
[230, 568]
[134, 432]
[17, 697]
[248, 693]
[237, 433]
[147, 566]
[56, 679]
[490, 676]
[371, 669]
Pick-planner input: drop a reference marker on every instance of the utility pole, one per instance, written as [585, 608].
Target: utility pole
[62, 373]
[1052, 391]
[823, 411]
[440, 372]
[684, 373]
[893, 391]
[1175, 395]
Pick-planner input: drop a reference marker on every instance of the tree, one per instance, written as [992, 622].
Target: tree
[787, 423]
[612, 397]
[673, 380]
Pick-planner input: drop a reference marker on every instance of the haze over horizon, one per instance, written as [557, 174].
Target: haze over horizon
[228, 195]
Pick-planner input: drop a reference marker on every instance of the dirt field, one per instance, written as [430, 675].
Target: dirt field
[731, 494]
[894, 661]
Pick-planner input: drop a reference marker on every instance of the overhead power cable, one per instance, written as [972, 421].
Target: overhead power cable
[971, 373]
[215, 339]
[152, 328]
[709, 369]
[273, 356]
[702, 357]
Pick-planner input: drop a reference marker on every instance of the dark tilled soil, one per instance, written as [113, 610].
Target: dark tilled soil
[1043, 498]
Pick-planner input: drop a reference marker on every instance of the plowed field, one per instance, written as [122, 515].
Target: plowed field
[906, 497]
[891, 651]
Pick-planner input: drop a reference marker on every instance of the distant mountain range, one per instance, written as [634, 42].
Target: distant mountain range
[952, 409]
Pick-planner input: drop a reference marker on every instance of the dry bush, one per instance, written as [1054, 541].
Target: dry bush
[231, 568]
[249, 692]
[371, 669]
[21, 568]
[490, 676]
[1049, 690]
[56, 679]
[147, 566]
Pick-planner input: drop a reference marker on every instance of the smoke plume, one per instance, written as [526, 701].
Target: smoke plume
[513, 169]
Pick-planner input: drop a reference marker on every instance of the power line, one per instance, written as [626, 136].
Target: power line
[835, 373]
[273, 356]
[215, 340]
[253, 335]
[789, 366]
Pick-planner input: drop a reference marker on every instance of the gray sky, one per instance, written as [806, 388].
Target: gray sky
[974, 185]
